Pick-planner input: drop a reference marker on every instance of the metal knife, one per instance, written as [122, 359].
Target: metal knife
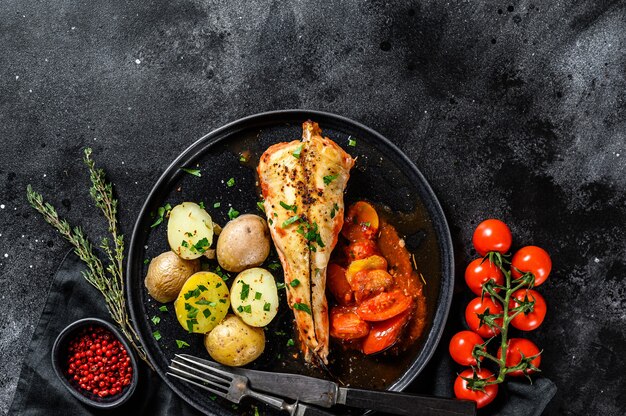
[326, 393]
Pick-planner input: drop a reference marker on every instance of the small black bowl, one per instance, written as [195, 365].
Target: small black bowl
[60, 354]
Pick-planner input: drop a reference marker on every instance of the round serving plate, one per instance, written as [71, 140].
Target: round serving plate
[382, 174]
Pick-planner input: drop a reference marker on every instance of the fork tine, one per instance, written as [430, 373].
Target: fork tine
[202, 386]
[188, 358]
[202, 379]
[216, 379]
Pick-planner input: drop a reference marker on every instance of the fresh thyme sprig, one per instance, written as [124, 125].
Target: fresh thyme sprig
[108, 280]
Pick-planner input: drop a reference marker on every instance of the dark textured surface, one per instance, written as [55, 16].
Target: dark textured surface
[514, 110]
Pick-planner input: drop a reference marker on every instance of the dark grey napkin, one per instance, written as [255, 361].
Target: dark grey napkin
[39, 392]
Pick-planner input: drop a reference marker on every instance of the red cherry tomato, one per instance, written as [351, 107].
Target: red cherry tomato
[480, 272]
[384, 306]
[360, 249]
[529, 320]
[461, 347]
[475, 307]
[385, 333]
[516, 347]
[482, 398]
[492, 235]
[346, 324]
[531, 259]
[338, 284]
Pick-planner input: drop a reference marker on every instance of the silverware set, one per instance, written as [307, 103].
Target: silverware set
[310, 395]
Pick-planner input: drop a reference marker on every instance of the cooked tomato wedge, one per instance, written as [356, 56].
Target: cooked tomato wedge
[384, 306]
[338, 284]
[374, 262]
[360, 249]
[361, 222]
[384, 334]
[346, 324]
[368, 283]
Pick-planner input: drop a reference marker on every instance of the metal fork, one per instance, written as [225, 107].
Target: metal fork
[232, 387]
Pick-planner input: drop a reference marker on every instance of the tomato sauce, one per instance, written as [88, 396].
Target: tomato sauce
[373, 278]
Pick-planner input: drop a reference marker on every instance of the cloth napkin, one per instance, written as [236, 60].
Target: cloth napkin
[39, 391]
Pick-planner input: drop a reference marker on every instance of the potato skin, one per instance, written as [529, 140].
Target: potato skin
[234, 343]
[243, 243]
[167, 274]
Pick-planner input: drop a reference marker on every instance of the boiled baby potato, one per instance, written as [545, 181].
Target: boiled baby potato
[167, 274]
[189, 230]
[202, 303]
[243, 243]
[234, 343]
[254, 296]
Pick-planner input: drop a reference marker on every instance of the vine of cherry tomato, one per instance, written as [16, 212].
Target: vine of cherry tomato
[506, 299]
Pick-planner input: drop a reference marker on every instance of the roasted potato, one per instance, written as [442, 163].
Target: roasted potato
[243, 243]
[254, 296]
[167, 274]
[234, 343]
[202, 303]
[189, 230]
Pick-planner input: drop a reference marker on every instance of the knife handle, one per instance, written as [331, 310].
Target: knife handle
[408, 404]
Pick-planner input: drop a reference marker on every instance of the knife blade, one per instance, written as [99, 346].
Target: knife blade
[327, 393]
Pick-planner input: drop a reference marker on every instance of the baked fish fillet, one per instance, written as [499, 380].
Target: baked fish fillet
[303, 184]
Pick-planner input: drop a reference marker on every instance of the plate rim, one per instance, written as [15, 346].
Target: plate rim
[446, 291]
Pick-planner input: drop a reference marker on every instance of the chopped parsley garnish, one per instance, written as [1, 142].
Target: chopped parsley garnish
[206, 313]
[163, 308]
[280, 285]
[258, 295]
[156, 335]
[293, 208]
[161, 213]
[297, 152]
[218, 271]
[190, 324]
[181, 344]
[201, 204]
[146, 261]
[205, 302]
[267, 306]
[193, 312]
[192, 293]
[271, 221]
[202, 245]
[155, 320]
[245, 290]
[222, 300]
[218, 285]
[329, 178]
[351, 142]
[281, 333]
[184, 244]
[230, 182]
[202, 288]
[247, 309]
[294, 283]
[194, 172]
[302, 307]
[290, 342]
[239, 308]
[232, 213]
[217, 204]
[290, 221]
[366, 224]
[242, 158]
[334, 211]
[260, 206]
[273, 266]
[188, 234]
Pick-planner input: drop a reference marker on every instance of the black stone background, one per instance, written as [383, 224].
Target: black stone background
[510, 109]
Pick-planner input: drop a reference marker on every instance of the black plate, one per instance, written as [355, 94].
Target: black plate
[383, 175]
